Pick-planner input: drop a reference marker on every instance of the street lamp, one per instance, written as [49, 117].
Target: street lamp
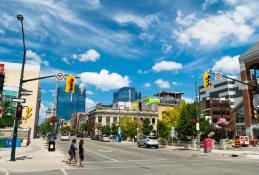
[20, 18]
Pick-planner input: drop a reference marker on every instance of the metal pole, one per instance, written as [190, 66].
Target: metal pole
[197, 117]
[20, 18]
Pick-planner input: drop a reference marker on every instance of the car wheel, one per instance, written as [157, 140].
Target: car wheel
[138, 145]
[157, 147]
[147, 146]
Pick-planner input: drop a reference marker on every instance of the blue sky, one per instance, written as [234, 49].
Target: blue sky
[149, 44]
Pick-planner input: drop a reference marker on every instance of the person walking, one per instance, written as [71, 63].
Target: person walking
[72, 151]
[81, 153]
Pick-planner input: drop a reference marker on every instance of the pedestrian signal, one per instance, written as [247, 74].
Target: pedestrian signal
[28, 112]
[70, 84]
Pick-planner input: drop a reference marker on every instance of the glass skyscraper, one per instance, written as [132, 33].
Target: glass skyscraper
[126, 94]
[65, 106]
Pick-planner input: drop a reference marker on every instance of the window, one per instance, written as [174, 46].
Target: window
[115, 119]
[141, 119]
[153, 121]
[108, 120]
[100, 119]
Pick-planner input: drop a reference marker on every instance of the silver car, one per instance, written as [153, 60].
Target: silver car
[148, 141]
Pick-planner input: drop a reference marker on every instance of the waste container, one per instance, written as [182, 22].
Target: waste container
[52, 145]
[207, 145]
[9, 142]
[2, 143]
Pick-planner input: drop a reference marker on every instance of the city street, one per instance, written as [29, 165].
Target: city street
[126, 158]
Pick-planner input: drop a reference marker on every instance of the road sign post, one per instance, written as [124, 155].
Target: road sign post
[19, 100]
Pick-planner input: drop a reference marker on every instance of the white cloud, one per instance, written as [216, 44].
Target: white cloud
[188, 100]
[142, 22]
[166, 48]
[228, 65]
[140, 71]
[230, 2]
[90, 55]
[89, 104]
[208, 3]
[234, 25]
[105, 80]
[65, 59]
[89, 92]
[167, 66]
[43, 91]
[43, 108]
[185, 21]
[34, 58]
[162, 84]
[147, 85]
[174, 83]
[94, 4]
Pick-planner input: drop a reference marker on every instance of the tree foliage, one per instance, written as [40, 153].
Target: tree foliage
[85, 127]
[45, 127]
[106, 130]
[128, 126]
[114, 129]
[146, 127]
[8, 115]
[163, 130]
[65, 129]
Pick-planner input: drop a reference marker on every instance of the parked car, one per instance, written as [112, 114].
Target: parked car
[104, 138]
[64, 136]
[148, 141]
[81, 135]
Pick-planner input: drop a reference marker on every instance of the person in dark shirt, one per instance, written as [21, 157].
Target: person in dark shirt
[81, 153]
[72, 151]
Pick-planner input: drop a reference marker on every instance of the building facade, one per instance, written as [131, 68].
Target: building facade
[223, 89]
[126, 94]
[68, 104]
[30, 92]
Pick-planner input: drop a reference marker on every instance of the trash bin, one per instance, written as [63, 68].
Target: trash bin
[207, 145]
[9, 142]
[52, 145]
[2, 143]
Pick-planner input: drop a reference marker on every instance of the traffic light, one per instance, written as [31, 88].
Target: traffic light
[206, 80]
[28, 112]
[255, 114]
[19, 111]
[70, 84]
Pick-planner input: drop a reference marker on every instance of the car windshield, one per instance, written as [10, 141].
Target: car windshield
[152, 137]
[65, 134]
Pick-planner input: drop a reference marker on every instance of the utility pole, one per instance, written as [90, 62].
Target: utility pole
[20, 18]
[197, 117]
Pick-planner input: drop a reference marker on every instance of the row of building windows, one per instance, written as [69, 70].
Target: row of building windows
[115, 120]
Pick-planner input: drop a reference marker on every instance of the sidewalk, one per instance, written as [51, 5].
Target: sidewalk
[38, 158]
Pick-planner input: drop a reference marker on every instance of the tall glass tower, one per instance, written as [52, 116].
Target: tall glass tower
[66, 105]
[126, 94]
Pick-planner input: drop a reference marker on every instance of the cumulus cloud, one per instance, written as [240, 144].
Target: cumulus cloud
[89, 104]
[142, 22]
[147, 85]
[140, 71]
[167, 66]
[188, 100]
[104, 80]
[90, 55]
[162, 84]
[228, 65]
[208, 3]
[211, 30]
[43, 108]
[94, 4]
[34, 58]
[89, 92]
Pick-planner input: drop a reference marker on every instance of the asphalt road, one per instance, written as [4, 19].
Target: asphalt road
[127, 159]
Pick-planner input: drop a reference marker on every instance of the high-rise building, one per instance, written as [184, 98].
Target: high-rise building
[30, 91]
[68, 104]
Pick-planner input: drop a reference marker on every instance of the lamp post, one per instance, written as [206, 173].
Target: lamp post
[20, 18]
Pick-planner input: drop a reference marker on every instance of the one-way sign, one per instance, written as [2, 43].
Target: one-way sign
[19, 100]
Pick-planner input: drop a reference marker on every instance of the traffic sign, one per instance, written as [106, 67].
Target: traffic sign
[60, 76]
[19, 100]
[218, 76]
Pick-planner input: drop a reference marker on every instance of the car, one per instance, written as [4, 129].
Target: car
[105, 138]
[81, 135]
[148, 141]
[64, 137]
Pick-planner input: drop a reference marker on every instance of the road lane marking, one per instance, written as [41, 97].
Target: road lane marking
[105, 151]
[102, 155]
[5, 171]
[63, 170]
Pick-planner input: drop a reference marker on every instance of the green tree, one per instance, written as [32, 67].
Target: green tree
[146, 127]
[85, 127]
[65, 129]
[205, 127]
[106, 130]
[8, 114]
[163, 130]
[45, 127]
[186, 124]
[114, 129]
[128, 126]
[171, 116]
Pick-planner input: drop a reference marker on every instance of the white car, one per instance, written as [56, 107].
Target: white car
[65, 136]
[105, 138]
[148, 141]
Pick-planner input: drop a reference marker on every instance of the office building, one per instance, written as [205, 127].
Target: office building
[30, 93]
[68, 103]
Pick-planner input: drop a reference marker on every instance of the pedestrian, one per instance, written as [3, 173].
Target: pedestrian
[81, 153]
[72, 151]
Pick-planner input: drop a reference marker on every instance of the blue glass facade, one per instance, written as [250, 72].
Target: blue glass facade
[126, 94]
[66, 107]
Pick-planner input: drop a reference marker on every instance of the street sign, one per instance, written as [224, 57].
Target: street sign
[119, 130]
[60, 76]
[218, 76]
[197, 126]
[19, 100]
